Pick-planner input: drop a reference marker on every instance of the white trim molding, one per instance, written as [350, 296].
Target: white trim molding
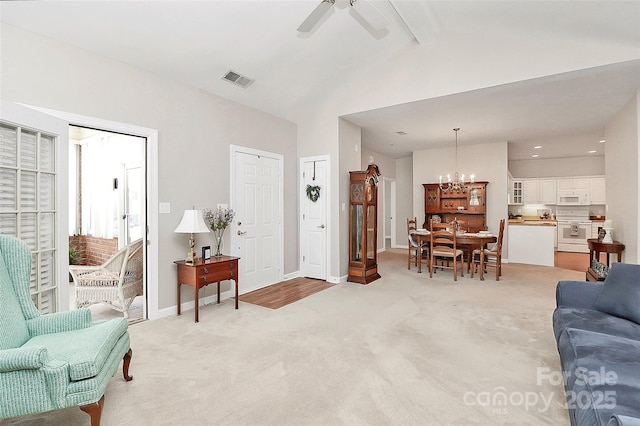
[151, 248]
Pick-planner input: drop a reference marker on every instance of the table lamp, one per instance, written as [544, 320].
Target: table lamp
[192, 223]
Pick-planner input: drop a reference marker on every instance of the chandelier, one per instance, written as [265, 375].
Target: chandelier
[457, 184]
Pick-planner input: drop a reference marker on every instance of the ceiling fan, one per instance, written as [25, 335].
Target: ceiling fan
[364, 8]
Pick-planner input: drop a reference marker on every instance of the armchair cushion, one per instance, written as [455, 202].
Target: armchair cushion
[86, 350]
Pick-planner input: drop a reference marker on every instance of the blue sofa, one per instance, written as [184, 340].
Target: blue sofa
[597, 329]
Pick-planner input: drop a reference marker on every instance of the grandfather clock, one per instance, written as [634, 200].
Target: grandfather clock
[363, 222]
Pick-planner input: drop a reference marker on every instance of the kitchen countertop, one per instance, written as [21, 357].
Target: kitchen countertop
[532, 221]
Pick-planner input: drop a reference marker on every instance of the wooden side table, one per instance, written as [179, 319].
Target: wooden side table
[204, 272]
[595, 248]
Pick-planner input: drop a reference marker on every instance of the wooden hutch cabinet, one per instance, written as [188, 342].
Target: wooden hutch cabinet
[467, 205]
[363, 222]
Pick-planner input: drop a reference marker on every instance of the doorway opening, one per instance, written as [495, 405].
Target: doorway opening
[107, 203]
[388, 203]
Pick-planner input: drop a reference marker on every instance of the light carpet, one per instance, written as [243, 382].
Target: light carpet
[403, 350]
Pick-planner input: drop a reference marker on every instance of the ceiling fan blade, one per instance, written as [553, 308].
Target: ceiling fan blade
[369, 13]
[316, 16]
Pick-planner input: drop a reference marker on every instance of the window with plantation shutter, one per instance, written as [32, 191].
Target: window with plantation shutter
[28, 204]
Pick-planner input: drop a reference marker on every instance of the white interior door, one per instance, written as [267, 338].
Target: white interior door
[33, 197]
[313, 220]
[257, 228]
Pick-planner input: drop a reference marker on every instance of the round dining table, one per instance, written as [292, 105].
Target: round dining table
[470, 240]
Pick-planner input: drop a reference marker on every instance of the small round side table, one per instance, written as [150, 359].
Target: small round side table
[596, 247]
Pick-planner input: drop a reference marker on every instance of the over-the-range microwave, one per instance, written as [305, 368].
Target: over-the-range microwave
[573, 198]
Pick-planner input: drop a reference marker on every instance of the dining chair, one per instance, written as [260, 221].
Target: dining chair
[443, 247]
[492, 255]
[463, 225]
[416, 249]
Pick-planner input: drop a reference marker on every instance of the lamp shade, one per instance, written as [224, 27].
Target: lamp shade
[192, 223]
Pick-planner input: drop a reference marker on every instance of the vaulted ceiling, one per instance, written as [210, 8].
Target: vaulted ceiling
[197, 42]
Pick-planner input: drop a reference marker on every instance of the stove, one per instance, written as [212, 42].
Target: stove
[574, 228]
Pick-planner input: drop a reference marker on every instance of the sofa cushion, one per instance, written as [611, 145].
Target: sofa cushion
[623, 421]
[565, 317]
[86, 350]
[620, 294]
[601, 375]
[14, 331]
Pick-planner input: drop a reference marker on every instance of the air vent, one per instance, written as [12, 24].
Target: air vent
[237, 79]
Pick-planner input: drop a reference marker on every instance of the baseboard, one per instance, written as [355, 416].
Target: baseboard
[338, 280]
[190, 305]
[291, 275]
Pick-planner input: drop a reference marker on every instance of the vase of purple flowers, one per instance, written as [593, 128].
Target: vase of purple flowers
[218, 220]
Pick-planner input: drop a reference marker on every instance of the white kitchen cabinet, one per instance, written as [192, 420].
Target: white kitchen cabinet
[530, 189]
[516, 192]
[597, 190]
[548, 191]
[581, 183]
[573, 184]
[539, 191]
[532, 245]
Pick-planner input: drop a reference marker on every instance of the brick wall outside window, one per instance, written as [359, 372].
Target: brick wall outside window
[93, 251]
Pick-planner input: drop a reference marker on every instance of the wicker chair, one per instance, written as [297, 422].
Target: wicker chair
[116, 282]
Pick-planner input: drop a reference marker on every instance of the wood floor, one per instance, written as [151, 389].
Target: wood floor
[281, 294]
[573, 261]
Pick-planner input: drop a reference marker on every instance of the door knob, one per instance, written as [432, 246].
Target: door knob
[241, 232]
[321, 226]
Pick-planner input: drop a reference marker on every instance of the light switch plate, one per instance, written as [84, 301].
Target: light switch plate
[164, 208]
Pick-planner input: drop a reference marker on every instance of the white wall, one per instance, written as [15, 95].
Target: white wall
[350, 160]
[558, 167]
[404, 197]
[622, 184]
[195, 130]
[387, 165]
[488, 162]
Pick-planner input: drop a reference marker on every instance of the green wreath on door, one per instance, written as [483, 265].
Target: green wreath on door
[313, 192]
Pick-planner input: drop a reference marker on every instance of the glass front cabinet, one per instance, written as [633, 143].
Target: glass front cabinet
[363, 220]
